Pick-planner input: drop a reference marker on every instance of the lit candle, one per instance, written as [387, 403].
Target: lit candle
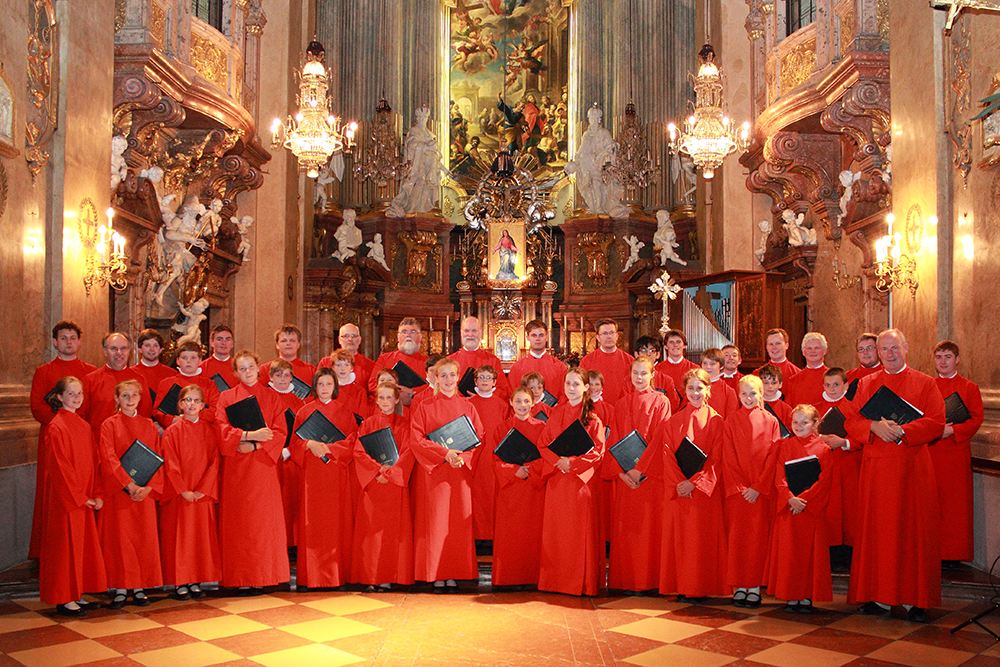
[430, 324]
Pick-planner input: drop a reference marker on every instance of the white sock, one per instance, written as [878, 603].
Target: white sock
[72, 605]
[755, 590]
[884, 606]
[439, 583]
[452, 582]
[907, 607]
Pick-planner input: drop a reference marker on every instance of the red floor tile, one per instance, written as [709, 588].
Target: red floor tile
[841, 641]
[728, 643]
[712, 617]
[47, 636]
[145, 640]
[260, 642]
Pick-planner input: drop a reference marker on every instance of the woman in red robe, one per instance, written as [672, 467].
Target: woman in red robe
[71, 562]
[799, 563]
[326, 516]
[517, 530]
[637, 511]
[189, 539]
[251, 522]
[693, 557]
[749, 439]
[128, 521]
[444, 549]
[572, 559]
[383, 526]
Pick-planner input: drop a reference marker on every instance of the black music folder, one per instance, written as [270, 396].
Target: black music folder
[407, 377]
[690, 458]
[381, 446]
[885, 403]
[467, 385]
[220, 383]
[628, 450]
[168, 404]
[955, 409]
[801, 474]
[301, 388]
[548, 399]
[246, 415]
[49, 396]
[140, 462]
[317, 427]
[852, 389]
[574, 441]
[781, 426]
[289, 423]
[541, 416]
[516, 449]
[152, 396]
[358, 418]
[663, 391]
[832, 423]
[456, 434]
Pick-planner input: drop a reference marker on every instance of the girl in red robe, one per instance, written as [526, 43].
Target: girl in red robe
[799, 563]
[693, 557]
[444, 550]
[128, 521]
[383, 527]
[748, 445]
[189, 539]
[572, 559]
[517, 530]
[352, 392]
[251, 521]
[71, 562]
[493, 411]
[326, 515]
[637, 510]
[289, 473]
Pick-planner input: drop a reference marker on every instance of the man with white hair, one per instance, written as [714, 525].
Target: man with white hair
[806, 386]
[408, 339]
[349, 338]
[472, 356]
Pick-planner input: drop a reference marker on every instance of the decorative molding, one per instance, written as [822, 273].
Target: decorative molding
[846, 32]
[42, 61]
[797, 65]
[209, 60]
[3, 190]
[8, 117]
[120, 8]
[595, 253]
[960, 99]
[157, 25]
[882, 19]
[418, 244]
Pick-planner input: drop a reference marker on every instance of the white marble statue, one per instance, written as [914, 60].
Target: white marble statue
[765, 228]
[348, 236]
[665, 239]
[175, 239]
[243, 226]
[419, 191]
[887, 171]
[683, 170]
[190, 328]
[798, 235]
[635, 245]
[376, 251]
[119, 169]
[597, 148]
[847, 179]
[321, 193]
[211, 220]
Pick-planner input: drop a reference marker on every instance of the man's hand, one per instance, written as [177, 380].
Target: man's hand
[833, 441]
[685, 489]
[750, 495]
[522, 472]
[887, 430]
[454, 459]
[563, 464]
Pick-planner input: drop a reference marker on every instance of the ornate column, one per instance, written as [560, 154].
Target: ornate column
[254, 23]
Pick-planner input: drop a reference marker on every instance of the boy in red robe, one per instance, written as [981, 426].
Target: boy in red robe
[149, 367]
[842, 508]
[770, 377]
[189, 371]
[650, 347]
[289, 472]
[493, 411]
[722, 399]
[351, 392]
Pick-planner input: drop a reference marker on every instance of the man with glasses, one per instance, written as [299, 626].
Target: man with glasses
[99, 385]
[614, 363]
[868, 362]
[472, 356]
[349, 338]
[408, 339]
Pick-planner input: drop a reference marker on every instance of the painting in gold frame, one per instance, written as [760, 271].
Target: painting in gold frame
[507, 248]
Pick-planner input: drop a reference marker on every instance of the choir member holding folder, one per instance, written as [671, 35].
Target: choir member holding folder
[326, 519]
[444, 549]
[166, 409]
[129, 533]
[842, 509]
[572, 559]
[693, 557]
[637, 509]
[799, 562]
[289, 472]
[493, 411]
[749, 439]
[251, 522]
[383, 526]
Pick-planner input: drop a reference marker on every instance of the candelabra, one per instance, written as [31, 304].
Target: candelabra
[841, 278]
[383, 160]
[893, 268]
[97, 270]
[632, 166]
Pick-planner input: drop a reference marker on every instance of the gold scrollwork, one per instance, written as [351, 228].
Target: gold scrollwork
[3, 190]
[846, 32]
[797, 65]
[120, 6]
[40, 128]
[157, 25]
[419, 245]
[595, 249]
[209, 60]
[882, 19]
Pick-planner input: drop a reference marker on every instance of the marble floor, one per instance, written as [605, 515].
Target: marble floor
[474, 627]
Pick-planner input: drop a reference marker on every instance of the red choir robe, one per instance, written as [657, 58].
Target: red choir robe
[71, 562]
[189, 538]
[443, 543]
[251, 521]
[806, 386]
[480, 357]
[788, 369]
[289, 472]
[666, 386]
[517, 531]
[676, 371]
[303, 370]
[99, 397]
[213, 365]
[693, 557]
[207, 388]
[616, 367]
[749, 442]
[493, 411]
[153, 375]
[952, 457]
[861, 371]
[799, 561]
[723, 399]
[897, 556]
[363, 368]
[326, 513]
[383, 526]
[732, 381]
[842, 508]
[782, 411]
[45, 379]
[389, 359]
[129, 530]
[636, 515]
[550, 368]
[573, 552]
[606, 413]
[354, 396]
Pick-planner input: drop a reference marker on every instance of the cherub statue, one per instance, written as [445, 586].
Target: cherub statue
[348, 236]
[119, 169]
[175, 239]
[597, 148]
[847, 179]
[243, 226]
[190, 328]
[765, 230]
[635, 245]
[418, 192]
[887, 171]
[322, 194]
[683, 171]
[376, 251]
[211, 220]
[665, 239]
[798, 235]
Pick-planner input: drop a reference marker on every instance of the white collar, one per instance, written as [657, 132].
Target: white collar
[351, 381]
[897, 372]
[482, 395]
[142, 360]
[195, 420]
[286, 391]
[611, 352]
[729, 377]
[218, 358]
[536, 356]
[829, 399]
[183, 374]
[773, 400]
[783, 360]
[675, 362]
[326, 402]
[600, 397]
[948, 377]
[815, 367]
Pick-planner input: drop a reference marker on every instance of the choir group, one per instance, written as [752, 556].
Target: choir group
[720, 484]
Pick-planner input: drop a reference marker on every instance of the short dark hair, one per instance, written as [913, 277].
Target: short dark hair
[675, 332]
[279, 365]
[649, 341]
[947, 346]
[535, 324]
[219, 328]
[149, 334]
[868, 335]
[321, 372]
[777, 330]
[836, 371]
[189, 346]
[603, 322]
[288, 329]
[64, 325]
[713, 353]
[770, 371]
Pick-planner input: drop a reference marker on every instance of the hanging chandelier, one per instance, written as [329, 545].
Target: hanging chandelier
[383, 162]
[632, 165]
[314, 134]
[709, 135]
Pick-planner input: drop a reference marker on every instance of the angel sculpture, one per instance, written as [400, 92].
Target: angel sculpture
[243, 226]
[798, 234]
[635, 245]
[190, 328]
[376, 251]
[348, 236]
[847, 179]
[765, 230]
[119, 169]
[665, 240]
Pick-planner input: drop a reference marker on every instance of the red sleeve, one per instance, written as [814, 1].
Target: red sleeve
[229, 437]
[711, 441]
[66, 477]
[973, 400]
[40, 410]
[114, 475]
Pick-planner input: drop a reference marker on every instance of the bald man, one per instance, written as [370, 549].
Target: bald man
[472, 356]
[349, 338]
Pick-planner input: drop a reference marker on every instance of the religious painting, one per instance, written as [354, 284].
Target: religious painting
[506, 344]
[6, 116]
[508, 85]
[507, 261]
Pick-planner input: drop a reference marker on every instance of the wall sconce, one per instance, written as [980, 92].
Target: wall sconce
[893, 268]
[94, 237]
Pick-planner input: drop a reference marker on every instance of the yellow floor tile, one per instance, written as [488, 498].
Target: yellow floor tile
[198, 654]
[328, 629]
[315, 654]
[342, 605]
[216, 628]
[875, 626]
[243, 605]
[770, 628]
[661, 629]
[679, 655]
[65, 655]
[111, 625]
[33, 604]
[28, 620]
[920, 655]
[794, 655]
[645, 606]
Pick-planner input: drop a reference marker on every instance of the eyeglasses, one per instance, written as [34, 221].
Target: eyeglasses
[870, 348]
[191, 400]
[409, 332]
[485, 377]
[350, 335]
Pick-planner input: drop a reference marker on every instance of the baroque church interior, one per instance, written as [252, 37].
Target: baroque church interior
[720, 167]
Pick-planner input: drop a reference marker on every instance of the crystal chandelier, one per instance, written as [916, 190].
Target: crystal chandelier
[632, 165]
[314, 134]
[383, 161]
[709, 135]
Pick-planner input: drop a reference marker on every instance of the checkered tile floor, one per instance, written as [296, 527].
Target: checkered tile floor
[522, 629]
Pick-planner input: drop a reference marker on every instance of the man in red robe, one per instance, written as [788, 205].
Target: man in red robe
[408, 339]
[776, 344]
[539, 360]
[676, 365]
[472, 356]
[896, 555]
[731, 360]
[868, 362]
[219, 362]
[66, 339]
[806, 386]
[614, 363]
[148, 367]
[99, 385]
[349, 338]
[287, 340]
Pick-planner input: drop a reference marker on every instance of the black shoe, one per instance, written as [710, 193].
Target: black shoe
[63, 610]
[139, 599]
[740, 599]
[256, 590]
[86, 605]
[244, 591]
[118, 601]
[916, 615]
[874, 609]
[182, 593]
[804, 608]
[752, 601]
[196, 591]
[791, 608]
[701, 600]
